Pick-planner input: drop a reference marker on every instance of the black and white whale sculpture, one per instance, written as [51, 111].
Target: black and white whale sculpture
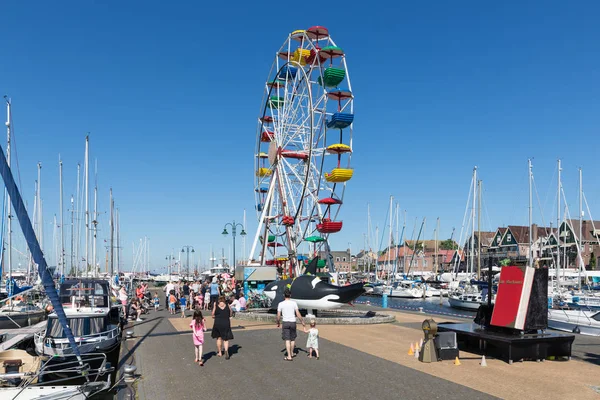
[311, 293]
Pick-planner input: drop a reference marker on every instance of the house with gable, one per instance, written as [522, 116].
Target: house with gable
[513, 242]
[570, 240]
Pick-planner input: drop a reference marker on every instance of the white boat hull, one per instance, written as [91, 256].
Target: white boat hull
[70, 392]
[464, 304]
[100, 346]
[574, 320]
[406, 293]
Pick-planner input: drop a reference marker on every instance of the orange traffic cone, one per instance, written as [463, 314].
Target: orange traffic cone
[456, 361]
[411, 351]
[417, 347]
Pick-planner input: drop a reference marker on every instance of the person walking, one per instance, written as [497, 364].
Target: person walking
[215, 291]
[123, 297]
[185, 291]
[198, 326]
[222, 326]
[168, 288]
[288, 309]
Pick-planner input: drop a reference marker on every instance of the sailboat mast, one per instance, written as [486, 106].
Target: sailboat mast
[112, 234]
[473, 219]
[86, 171]
[479, 230]
[9, 204]
[39, 205]
[581, 244]
[377, 252]
[437, 232]
[391, 234]
[397, 238]
[404, 246]
[62, 221]
[558, 228]
[95, 231]
[118, 234]
[78, 219]
[72, 236]
[530, 255]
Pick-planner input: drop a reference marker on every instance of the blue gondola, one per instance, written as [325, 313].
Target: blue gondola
[340, 120]
[287, 72]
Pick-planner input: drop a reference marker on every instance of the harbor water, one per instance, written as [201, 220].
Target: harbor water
[429, 305]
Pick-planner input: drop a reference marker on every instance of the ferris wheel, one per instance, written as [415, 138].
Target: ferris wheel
[303, 151]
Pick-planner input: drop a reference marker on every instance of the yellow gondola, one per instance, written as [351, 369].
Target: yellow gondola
[339, 148]
[300, 56]
[298, 34]
[282, 259]
[339, 175]
[264, 172]
[263, 155]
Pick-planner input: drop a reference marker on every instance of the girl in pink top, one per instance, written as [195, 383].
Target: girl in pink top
[198, 326]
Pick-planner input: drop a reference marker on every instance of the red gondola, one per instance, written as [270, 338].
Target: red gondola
[330, 201]
[328, 226]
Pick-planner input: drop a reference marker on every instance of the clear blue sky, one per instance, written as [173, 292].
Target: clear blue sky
[170, 93]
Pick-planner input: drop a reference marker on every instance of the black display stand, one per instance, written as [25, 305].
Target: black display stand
[533, 343]
[509, 347]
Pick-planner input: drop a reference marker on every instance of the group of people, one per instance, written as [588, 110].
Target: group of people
[203, 295]
[222, 311]
[135, 305]
[223, 297]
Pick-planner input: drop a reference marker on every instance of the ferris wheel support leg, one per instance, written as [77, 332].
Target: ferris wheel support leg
[262, 220]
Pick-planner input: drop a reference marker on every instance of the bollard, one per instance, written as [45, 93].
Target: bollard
[129, 334]
[384, 300]
[129, 372]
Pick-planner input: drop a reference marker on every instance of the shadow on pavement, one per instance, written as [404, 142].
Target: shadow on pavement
[132, 350]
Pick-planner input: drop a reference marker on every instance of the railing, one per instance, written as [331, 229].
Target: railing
[73, 368]
[63, 343]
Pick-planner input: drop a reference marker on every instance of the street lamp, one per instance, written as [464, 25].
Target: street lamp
[183, 250]
[233, 226]
[169, 258]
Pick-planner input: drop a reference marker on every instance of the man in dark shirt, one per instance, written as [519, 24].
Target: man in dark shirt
[186, 292]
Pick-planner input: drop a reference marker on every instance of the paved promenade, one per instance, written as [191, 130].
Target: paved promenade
[356, 361]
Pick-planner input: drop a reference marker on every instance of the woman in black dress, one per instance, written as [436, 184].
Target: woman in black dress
[222, 326]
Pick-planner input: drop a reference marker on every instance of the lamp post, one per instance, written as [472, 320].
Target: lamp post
[169, 258]
[233, 226]
[183, 250]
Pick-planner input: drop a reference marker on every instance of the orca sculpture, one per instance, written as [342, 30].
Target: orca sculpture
[310, 292]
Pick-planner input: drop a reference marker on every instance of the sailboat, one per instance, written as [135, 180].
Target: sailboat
[469, 296]
[31, 388]
[583, 319]
[94, 321]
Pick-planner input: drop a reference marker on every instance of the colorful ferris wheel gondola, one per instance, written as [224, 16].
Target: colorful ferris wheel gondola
[303, 149]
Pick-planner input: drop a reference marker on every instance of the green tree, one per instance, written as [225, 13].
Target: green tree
[448, 244]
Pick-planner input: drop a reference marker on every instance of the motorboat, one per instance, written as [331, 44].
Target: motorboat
[408, 289]
[94, 321]
[466, 301]
[373, 289]
[378, 289]
[585, 322]
[18, 314]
